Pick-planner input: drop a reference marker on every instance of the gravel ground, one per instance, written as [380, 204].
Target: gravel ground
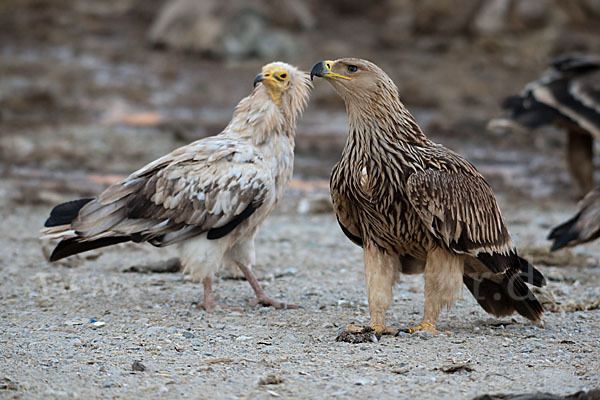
[50, 349]
[73, 78]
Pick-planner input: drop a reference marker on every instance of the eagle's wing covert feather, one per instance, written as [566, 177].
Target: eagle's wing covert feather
[460, 210]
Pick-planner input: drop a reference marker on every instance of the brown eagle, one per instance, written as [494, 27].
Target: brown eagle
[416, 207]
[209, 197]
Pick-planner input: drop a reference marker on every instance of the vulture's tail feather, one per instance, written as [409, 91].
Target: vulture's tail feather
[68, 247]
[65, 213]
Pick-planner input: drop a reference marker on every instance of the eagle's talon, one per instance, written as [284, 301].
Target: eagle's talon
[426, 327]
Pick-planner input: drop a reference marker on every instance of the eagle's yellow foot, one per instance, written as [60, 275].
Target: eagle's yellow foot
[381, 329]
[426, 327]
[357, 334]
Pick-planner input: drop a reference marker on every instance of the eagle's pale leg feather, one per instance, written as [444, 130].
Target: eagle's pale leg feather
[443, 283]
[380, 273]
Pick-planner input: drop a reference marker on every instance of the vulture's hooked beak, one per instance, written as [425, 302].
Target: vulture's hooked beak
[258, 78]
[323, 70]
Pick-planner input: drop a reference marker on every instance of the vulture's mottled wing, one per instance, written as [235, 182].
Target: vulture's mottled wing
[583, 227]
[346, 216]
[586, 89]
[460, 210]
[209, 186]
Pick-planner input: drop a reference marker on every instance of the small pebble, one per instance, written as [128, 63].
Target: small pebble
[138, 366]
[270, 379]
[188, 335]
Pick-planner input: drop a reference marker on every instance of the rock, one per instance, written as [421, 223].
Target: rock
[591, 6]
[227, 29]
[188, 335]
[187, 25]
[593, 394]
[492, 17]
[287, 272]
[442, 16]
[162, 266]
[8, 384]
[138, 366]
[270, 379]
[291, 14]
[531, 14]
[454, 368]
[316, 204]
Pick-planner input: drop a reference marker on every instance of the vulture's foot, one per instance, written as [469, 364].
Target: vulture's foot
[265, 300]
[209, 305]
[261, 296]
[426, 327]
[356, 334]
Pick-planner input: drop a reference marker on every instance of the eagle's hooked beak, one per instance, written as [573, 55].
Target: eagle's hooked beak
[258, 78]
[323, 70]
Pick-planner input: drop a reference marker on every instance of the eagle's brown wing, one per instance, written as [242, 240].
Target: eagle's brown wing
[461, 212]
[346, 214]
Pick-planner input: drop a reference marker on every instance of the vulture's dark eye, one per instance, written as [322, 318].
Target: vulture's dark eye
[283, 76]
[352, 68]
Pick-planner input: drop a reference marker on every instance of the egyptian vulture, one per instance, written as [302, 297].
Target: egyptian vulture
[567, 95]
[414, 206]
[581, 228]
[209, 197]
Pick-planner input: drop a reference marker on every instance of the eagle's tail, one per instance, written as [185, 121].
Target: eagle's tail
[505, 297]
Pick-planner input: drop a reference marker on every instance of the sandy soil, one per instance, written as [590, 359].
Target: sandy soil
[50, 349]
[83, 101]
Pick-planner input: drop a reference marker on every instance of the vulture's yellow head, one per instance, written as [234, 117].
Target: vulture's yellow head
[354, 79]
[283, 81]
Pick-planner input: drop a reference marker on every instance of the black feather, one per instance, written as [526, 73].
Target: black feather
[502, 299]
[498, 262]
[563, 234]
[65, 213]
[562, 94]
[217, 233]
[68, 247]
[530, 274]
[353, 238]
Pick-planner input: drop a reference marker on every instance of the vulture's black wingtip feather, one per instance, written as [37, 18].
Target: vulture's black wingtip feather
[65, 213]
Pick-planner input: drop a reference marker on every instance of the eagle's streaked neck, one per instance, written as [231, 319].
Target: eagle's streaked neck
[383, 119]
